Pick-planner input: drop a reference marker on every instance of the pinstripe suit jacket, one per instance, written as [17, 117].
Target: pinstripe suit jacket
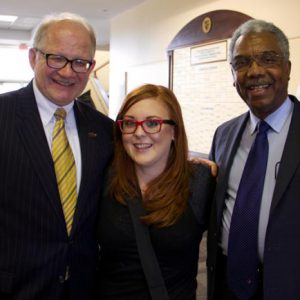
[281, 278]
[34, 246]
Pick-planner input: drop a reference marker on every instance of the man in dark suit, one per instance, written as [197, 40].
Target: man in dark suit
[40, 258]
[259, 57]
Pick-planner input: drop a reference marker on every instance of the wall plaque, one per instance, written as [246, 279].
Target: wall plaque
[207, 53]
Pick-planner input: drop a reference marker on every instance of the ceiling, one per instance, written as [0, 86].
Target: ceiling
[29, 12]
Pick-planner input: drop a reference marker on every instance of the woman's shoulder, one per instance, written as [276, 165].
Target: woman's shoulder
[202, 185]
[200, 172]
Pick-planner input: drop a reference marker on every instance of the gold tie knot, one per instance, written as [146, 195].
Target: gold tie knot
[60, 114]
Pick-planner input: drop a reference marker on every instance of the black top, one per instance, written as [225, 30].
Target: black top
[176, 247]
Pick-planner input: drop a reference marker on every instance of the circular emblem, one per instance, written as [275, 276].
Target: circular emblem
[206, 24]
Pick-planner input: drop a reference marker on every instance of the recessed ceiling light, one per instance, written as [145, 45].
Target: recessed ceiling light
[6, 18]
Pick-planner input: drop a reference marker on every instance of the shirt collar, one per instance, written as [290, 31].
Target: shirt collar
[46, 107]
[276, 119]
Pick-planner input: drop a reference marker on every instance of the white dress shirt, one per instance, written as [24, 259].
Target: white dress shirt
[279, 122]
[47, 109]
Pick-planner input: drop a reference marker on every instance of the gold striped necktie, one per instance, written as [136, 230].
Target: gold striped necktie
[65, 168]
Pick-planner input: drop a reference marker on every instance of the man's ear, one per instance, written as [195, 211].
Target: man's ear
[92, 66]
[32, 57]
[233, 77]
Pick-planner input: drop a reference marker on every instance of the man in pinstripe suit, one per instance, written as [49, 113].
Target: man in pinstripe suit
[39, 260]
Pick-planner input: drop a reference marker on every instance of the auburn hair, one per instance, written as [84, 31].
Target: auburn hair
[166, 197]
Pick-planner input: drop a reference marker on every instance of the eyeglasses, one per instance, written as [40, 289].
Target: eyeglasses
[128, 126]
[55, 61]
[266, 60]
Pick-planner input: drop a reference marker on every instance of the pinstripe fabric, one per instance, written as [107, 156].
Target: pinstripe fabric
[34, 246]
[65, 168]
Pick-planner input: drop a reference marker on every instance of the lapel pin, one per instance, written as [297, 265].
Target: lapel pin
[92, 135]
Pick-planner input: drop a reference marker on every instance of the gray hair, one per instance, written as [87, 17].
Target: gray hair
[255, 26]
[48, 20]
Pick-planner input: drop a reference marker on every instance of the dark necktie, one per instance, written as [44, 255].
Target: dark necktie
[242, 259]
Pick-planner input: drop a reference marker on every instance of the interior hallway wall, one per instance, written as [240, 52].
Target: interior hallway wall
[140, 37]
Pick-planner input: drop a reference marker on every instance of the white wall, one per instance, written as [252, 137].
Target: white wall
[139, 37]
[14, 64]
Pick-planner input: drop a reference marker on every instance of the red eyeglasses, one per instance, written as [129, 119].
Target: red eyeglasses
[128, 126]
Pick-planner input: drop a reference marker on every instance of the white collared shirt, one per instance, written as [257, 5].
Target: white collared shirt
[47, 109]
[279, 122]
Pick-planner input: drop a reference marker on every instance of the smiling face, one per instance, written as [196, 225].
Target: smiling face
[72, 40]
[263, 89]
[149, 152]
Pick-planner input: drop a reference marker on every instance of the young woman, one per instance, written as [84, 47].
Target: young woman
[151, 166]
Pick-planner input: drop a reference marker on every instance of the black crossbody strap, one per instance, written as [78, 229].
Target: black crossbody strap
[148, 258]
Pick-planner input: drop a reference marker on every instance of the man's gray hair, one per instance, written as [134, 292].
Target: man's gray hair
[48, 20]
[256, 26]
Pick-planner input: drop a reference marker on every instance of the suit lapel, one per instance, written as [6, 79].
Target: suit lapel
[228, 147]
[84, 132]
[290, 158]
[32, 135]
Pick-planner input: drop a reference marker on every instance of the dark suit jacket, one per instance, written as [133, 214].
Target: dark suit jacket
[282, 243]
[34, 246]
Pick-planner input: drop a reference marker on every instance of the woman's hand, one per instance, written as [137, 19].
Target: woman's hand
[211, 164]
